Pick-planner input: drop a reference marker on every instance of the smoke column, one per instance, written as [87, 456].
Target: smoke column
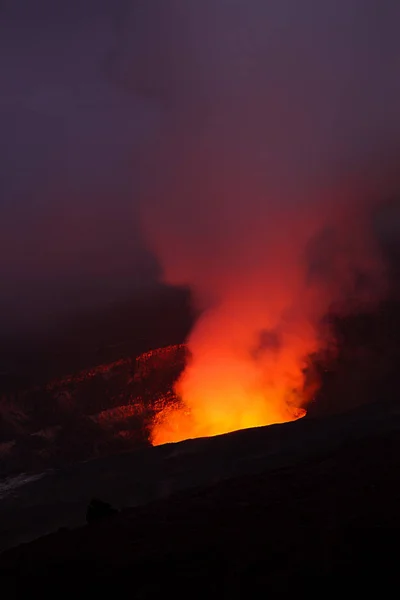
[278, 123]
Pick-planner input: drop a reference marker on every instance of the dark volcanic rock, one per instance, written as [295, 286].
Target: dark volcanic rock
[98, 510]
[92, 413]
[331, 518]
[59, 498]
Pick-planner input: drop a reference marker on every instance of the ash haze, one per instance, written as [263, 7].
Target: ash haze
[190, 135]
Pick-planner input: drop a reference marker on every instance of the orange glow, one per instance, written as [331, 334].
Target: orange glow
[211, 418]
[265, 268]
[241, 372]
[249, 350]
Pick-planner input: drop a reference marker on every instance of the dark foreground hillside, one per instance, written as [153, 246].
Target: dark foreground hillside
[331, 517]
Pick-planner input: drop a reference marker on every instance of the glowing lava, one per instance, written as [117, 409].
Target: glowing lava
[209, 419]
[238, 380]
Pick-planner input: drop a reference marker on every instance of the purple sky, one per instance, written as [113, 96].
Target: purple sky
[68, 230]
[88, 85]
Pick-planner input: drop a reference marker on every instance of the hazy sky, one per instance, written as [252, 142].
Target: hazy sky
[87, 86]
[68, 230]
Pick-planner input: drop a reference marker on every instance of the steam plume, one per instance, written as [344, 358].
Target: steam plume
[279, 121]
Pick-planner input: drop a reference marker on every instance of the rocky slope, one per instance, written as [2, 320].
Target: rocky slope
[91, 413]
[288, 508]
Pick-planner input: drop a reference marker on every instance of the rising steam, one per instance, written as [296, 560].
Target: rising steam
[259, 196]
